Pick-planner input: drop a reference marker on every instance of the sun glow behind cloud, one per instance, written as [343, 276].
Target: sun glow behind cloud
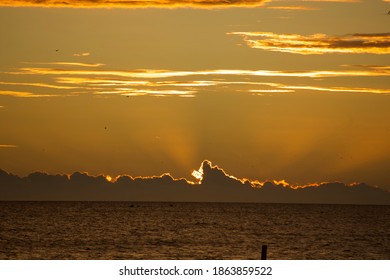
[199, 175]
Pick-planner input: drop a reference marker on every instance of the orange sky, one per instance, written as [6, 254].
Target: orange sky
[268, 90]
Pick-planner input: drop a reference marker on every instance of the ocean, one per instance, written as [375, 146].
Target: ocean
[203, 231]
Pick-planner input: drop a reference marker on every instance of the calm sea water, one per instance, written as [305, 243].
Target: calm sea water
[126, 230]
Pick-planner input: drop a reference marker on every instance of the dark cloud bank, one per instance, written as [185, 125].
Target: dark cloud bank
[215, 186]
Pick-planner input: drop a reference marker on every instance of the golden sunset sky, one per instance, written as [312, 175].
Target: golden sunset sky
[270, 90]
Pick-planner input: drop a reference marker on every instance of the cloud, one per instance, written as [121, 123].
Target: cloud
[37, 85]
[132, 92]
[159, 74]
[7, 145]
[212, 184]
[359, 43]
[205, 4]
[23, 94]
[82, 54]
[376, 68]
[69, 78]
[342, 1]
[337, 1]
[292, 88]
[62, 63]
[142, 92]
[293, 8]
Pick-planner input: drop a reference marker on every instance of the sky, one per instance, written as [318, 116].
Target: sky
[268, 90]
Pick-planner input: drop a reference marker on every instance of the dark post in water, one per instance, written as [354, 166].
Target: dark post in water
[264, 252]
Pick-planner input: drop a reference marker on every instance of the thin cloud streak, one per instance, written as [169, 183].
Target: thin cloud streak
[61, 63]
[203, 4]
[157, 74]
[82, 54]
[24, 94]
[154, 82]
[262, 91]
[339, 89]
[142, 92]
[293, 8]
[7, 145]
[377, 68]
[100, 82]
[37, 85]
[359, 43]
[337, 1]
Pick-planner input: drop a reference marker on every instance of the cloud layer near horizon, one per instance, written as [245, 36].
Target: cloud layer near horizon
[211, 184]
[133, 3]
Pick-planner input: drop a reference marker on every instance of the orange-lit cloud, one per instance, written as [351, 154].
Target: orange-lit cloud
[23, 94]
[101, 82]
[37, 85]
[377, 68]
[134, 3]
[157, 74]
[359, 43]
[338, 1]
[261, 91]
[7, 146]
[141, 92]
[62, 63]
[82, 54]
[293, 8]
[292, 88]
[340, 89]
[72, 78]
